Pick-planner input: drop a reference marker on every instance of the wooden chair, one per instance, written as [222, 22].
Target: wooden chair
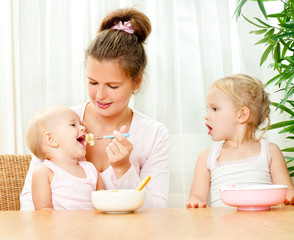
[13, 171]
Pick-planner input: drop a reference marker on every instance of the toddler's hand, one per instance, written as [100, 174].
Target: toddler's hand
[195, 203]
[289, 202]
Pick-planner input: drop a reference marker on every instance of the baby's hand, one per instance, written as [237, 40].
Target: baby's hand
[195, 203]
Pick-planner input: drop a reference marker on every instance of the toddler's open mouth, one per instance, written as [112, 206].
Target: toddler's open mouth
[209, 128]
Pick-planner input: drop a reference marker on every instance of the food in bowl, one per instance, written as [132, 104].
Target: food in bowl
[118, 201]
[253, 197]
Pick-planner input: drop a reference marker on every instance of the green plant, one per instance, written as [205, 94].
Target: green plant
[279, 41]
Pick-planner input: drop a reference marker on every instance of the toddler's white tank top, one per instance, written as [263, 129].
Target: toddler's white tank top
[253, 170]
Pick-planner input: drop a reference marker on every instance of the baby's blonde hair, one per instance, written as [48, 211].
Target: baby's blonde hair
[37, 126]
[247, 91]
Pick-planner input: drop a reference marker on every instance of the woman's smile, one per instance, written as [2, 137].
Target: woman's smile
[103, 105]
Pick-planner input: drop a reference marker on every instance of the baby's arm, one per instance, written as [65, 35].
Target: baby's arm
[100, 184]
[201, 183]
[41, 190]
[279, 171]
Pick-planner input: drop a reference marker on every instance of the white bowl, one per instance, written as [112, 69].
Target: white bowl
[118, 201]
[253, 197]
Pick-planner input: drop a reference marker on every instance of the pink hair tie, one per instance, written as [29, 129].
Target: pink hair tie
[127, 27]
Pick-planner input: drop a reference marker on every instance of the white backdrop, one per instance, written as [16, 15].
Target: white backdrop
[193, 43]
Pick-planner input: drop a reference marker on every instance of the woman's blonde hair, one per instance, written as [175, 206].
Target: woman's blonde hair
[247, 91]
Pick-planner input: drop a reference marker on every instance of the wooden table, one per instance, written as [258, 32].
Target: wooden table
[169, 223]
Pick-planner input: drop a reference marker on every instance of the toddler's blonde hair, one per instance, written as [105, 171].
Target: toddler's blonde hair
[247, 91]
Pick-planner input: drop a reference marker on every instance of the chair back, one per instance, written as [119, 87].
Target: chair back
[13, 171]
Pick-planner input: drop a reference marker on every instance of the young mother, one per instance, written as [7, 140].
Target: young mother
[115, 62]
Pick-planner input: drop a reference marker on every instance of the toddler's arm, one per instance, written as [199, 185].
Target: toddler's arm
[201, 183]
[41, 190]
[279, 172]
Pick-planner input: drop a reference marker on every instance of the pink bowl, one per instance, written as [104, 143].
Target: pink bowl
[253, 197]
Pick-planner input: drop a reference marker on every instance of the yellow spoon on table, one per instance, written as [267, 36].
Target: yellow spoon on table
[143, 183]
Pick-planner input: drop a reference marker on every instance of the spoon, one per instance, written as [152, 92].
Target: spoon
[111, 136]
[143, 183]
[90, 138]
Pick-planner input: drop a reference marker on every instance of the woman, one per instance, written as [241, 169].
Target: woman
[115, 63]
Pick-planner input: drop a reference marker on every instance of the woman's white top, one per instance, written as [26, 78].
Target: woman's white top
[253, 170]
[150, 156]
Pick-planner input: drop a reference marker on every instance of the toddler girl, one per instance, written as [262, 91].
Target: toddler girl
[237, 105]
[62, 181]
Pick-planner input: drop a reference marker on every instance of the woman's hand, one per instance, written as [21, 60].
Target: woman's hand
[118, 152]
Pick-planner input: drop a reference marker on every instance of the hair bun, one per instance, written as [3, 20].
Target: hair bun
[140, 22]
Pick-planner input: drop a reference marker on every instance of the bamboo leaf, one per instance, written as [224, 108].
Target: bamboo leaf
[291, 168]
[291, 159]
[279, 90]
[281, 124]
[283, 108]
[273, 79]
[290, 60]
[281, 65]
[289, 83]
[261, 6]
[281, 20]
[276, 65]
[288, 94]
[286, 74]
[239, 8]
[284, 51]
[286, 45]
[287, 150]
[252, 22]
[287, 25]
[257, 32]
[265, 54]
[277, 52]
[288, 34]
[264, 40]
[291, 102]
[292, 174]
[288, 130]
[269, 32]
[276, 15]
